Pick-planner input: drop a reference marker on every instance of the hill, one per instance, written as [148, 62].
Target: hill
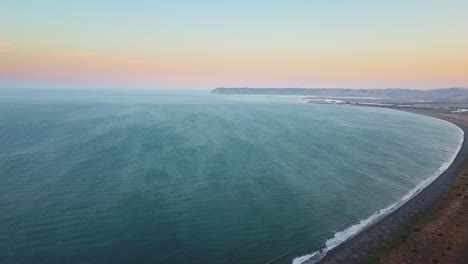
[446, 94]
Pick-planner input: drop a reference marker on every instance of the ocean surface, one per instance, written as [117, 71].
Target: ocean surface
[101, 176]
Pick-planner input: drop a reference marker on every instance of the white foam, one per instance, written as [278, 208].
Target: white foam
[301, 259]
[341, 236]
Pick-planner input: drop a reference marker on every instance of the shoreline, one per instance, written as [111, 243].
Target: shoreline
[372, 236]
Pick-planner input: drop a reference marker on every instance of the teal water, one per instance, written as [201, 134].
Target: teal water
[191, 177]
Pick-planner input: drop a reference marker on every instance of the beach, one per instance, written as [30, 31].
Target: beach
[78, 192]
[429, 228]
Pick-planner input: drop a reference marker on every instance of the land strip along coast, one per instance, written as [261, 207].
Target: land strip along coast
[432, 226]
[429, 228]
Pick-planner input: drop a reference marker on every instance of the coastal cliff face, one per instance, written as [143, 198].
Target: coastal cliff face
[447, 94]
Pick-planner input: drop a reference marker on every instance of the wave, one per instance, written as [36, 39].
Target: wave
[342, 236]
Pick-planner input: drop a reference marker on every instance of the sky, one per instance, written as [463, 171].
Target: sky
[205, 44]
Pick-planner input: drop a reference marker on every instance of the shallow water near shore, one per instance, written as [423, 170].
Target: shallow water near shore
[192, 177]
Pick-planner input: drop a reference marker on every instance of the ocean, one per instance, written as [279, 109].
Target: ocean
[140, 176]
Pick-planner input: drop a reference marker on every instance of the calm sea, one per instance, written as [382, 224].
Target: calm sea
[104, 176]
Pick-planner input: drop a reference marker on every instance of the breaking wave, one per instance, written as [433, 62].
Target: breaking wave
[341, 236]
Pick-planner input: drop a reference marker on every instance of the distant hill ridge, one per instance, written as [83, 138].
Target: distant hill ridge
[446, 94]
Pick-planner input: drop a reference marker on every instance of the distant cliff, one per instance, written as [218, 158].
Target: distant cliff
[447, 94]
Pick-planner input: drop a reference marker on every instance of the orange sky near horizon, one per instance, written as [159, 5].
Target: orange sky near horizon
[411, 67]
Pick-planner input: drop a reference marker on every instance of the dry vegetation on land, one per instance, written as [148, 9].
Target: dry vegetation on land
[439, 233]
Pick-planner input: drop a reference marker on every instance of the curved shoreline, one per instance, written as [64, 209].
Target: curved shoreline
[360, 245]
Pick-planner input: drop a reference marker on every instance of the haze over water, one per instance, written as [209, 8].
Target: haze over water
[178, 177]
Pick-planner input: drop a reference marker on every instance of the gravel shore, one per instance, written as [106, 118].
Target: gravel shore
[359, 246]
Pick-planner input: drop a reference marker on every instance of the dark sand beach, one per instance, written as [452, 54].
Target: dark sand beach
[429, 228]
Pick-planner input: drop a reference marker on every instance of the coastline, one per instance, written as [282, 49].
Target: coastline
[359, 246]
